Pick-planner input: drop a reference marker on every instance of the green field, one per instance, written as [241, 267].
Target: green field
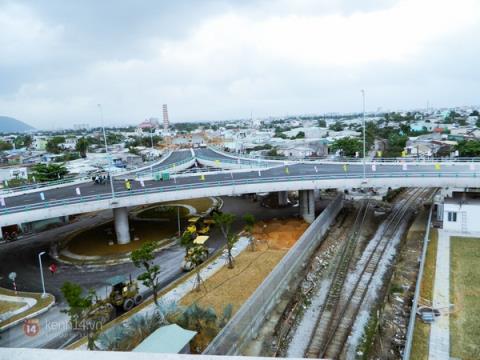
[465, 295]
[421, 334]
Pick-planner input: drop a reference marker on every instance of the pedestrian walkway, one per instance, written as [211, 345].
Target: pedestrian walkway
[439, 347]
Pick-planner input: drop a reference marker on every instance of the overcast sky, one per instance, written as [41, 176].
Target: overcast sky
[221, 59]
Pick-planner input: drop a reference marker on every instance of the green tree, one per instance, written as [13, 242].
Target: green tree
[475, 113]
[82, 147]
[470, 148]
[300, 135]
[5, 146]
[348, 146]
[274, 153]
[23, 141]
[143, 258]
[186, 240]
[49, 172]
[82, 311]
[249, 223]
[77, 303]
[225, 221]
[338, 126]
[52, 145]
[322, 123]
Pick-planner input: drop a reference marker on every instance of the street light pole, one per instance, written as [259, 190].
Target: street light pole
[363, 121]
[41, 273]
[106, 150]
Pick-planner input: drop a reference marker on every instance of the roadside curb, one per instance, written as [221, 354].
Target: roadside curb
[29, 316]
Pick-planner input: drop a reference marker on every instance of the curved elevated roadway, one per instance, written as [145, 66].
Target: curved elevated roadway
[66, 201]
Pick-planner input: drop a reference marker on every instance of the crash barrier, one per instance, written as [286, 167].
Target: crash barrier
[286, 275]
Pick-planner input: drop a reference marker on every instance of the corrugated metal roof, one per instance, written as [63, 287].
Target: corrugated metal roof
[167, 339]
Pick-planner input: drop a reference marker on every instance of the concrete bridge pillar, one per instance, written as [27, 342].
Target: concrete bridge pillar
[282, 198]
[307, 205]
[1, 234]
[122, 229]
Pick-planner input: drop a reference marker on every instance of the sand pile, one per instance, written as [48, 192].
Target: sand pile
[279, 234]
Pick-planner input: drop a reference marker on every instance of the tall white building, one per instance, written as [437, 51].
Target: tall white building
[166, 123]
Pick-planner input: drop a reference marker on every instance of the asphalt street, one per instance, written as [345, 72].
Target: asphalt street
[22, 257]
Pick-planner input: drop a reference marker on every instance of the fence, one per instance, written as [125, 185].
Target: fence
[411, 322]
[246, 322]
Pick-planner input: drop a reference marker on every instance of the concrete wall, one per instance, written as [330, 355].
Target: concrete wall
[247, 321]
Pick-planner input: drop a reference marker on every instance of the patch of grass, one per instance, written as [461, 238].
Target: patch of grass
[200, 204]
[95, 241]
[465, 294]
[421, 333]
[41, 303]
[368, 337]
[6, 306]
[167, 212]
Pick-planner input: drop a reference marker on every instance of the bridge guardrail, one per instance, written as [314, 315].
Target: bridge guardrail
[155, 170]
[229, 182]
[248, 319]
[78, 179]
[341, 159]
[252, 163]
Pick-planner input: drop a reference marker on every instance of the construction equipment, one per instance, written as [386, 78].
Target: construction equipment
[125, 294]
[198, 225]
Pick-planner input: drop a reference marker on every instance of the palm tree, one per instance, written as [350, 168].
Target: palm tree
[225, 220]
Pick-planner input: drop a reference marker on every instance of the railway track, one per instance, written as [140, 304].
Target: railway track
[336, 319]
[330, 307]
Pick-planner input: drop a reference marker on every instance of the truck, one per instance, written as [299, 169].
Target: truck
[123, 296]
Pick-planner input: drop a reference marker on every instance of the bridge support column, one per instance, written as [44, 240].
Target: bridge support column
[307, 205]
[122, 229]
[282, 198]
[1, 234]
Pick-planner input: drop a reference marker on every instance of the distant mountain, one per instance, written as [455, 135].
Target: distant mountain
[8, 125]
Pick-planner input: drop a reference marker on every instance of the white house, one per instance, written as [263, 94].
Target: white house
[461, 212]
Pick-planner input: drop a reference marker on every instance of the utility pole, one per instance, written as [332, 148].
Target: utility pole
[363, 121]
[106, 150]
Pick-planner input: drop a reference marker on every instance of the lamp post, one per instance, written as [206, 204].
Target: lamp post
[106, 150]
[41, 273]
[363, 123]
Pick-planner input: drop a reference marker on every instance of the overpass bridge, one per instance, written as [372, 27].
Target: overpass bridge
[238, 176]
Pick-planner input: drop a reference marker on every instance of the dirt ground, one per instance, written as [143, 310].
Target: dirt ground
[234, 286]
[279, 234]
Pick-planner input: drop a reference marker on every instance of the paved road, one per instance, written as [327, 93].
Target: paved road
[21, 257]
[209, 154]
[175, 157]
[280, 173]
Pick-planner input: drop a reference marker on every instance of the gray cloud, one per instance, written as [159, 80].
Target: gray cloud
[223, 59]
